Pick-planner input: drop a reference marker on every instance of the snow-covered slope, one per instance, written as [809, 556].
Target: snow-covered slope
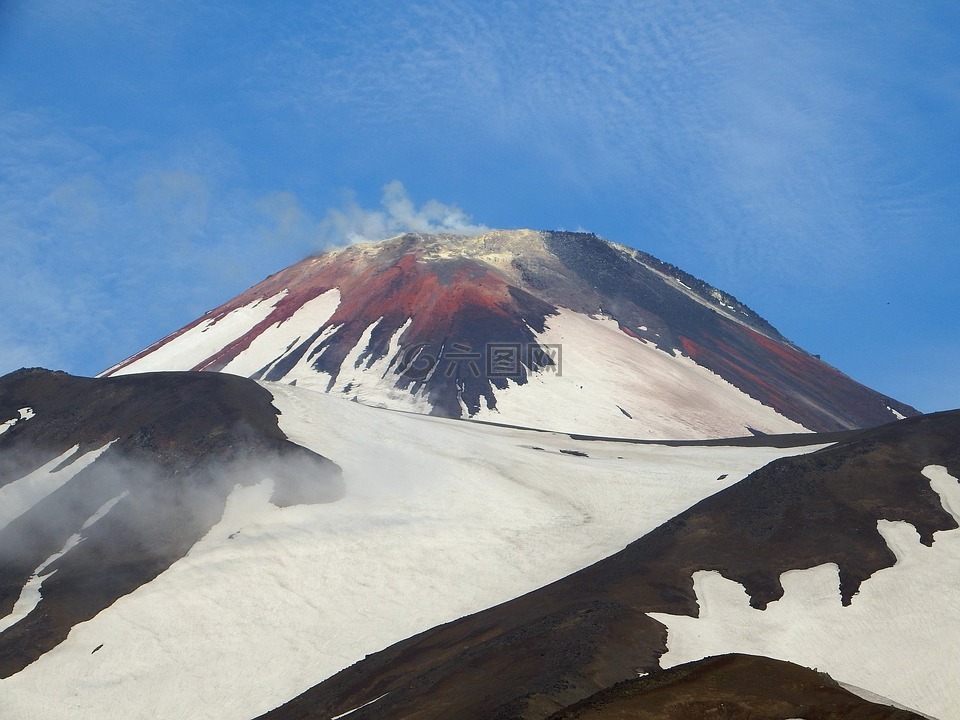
[564, 331]
[439, 518]
[108, 483]
[794, 562]
[624, 386]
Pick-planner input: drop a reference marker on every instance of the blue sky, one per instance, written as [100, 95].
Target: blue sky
[158, 158]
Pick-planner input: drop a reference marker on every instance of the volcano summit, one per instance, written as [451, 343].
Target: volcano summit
[556, 330]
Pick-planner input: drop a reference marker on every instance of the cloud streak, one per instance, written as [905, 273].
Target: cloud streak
[102, 254]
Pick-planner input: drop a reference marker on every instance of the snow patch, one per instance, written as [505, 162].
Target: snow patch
[359, 707]
[303, 373]
[897, 639]
[670, 396]
[371, 383]
[879, 699]
[201, 342]
[286, 334]
[104, 509]
[24, 414]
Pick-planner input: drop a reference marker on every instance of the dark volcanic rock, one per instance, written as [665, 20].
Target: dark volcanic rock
[732, 687]
[540, 653]
[180, 443]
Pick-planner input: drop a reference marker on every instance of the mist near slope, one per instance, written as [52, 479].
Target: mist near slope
[119, 523]
[114, 480]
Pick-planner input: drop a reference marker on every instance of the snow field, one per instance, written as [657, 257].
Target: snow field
[668, 396]
[899, 638]
[441, 518]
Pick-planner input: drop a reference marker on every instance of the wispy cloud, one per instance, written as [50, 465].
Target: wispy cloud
[397, 213]
[747, 133]
[738, 139]
[102, 254]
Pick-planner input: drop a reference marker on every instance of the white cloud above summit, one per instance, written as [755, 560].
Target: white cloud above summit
[397, 214]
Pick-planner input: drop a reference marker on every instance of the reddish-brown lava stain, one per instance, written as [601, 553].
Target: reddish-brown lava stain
[630, 333]
[458, 302]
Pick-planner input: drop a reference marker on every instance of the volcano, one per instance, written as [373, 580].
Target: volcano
[614, 491]
[564, 331]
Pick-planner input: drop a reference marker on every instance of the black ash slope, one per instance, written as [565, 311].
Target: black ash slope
[732, 687]
[690, 316]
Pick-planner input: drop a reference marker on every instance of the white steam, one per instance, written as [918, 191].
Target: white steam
[353, 223]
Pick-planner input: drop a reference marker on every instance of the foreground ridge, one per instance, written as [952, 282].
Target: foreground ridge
[731, 686]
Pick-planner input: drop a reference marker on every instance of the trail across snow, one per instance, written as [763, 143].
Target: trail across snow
[441, 518]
